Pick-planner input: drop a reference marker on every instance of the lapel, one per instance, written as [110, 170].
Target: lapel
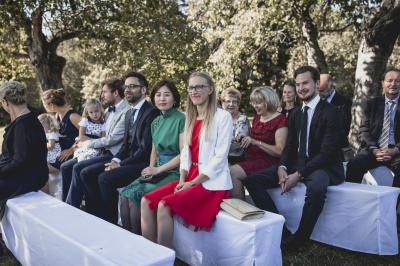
[396, 118]
[139, 118]
[314, 122]
[380, 112]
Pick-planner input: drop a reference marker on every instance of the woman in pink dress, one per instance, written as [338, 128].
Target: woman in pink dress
[266, 141]
[204, 173]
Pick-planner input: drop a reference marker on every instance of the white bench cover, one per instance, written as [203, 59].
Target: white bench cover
[357, 217]
[40, 230]
[231, 242]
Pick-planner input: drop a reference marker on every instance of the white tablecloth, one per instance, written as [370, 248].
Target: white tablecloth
[40, 230]
[232, 242]
[355, 216]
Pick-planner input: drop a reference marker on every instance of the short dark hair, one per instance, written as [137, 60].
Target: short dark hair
[303, 69]
[171, 86]
[139, 76]
[389, 69]
[114, 85]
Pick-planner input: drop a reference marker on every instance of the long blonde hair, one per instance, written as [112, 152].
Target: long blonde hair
[191, 110]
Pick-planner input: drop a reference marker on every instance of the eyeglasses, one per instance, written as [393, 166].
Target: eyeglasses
[196, 88]
[132, 86]
[233, 102]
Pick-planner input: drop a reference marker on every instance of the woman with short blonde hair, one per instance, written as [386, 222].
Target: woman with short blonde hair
[266, 141]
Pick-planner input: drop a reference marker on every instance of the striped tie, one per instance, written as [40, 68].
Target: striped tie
[384, 138]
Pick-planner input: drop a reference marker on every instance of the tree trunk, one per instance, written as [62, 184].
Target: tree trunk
[376, 46]
[43, 55]
[315, 56]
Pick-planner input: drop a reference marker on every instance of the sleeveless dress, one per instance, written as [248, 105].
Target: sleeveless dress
[93, 131]
[255, 159]
[196, 206]
[165, 131]
[68, 133]
[56, 150]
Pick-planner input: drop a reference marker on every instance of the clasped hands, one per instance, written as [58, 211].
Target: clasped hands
[287, 181]
[111, 165]
[385, 154]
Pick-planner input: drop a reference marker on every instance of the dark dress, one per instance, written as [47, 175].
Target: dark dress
[255, 158]
[68, 133]
[23, 162]
[196, 206]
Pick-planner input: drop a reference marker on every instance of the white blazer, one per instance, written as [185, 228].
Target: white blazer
[213, 153]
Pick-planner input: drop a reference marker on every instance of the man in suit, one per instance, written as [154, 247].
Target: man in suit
[380, 132]
[328, 92]
[112, 96]
[102, 180]
[312, 155]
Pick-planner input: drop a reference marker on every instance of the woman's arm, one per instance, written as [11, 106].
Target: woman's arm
[75, 119]
[50, 144]
[280, 141]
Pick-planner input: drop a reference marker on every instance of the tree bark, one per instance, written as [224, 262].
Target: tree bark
[43, 54]
[315, 56]
[376, 46]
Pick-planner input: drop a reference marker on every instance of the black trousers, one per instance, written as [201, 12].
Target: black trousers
[100, 187]
[359, 165]
[316, 183]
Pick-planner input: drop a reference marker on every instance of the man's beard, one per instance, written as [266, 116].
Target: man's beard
[133, 98]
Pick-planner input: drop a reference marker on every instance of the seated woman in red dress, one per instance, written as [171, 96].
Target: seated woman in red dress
[204, 174]
[266, 141]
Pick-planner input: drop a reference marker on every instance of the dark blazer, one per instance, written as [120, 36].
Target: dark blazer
[324, 150]
[141, 143]
[372, 122]
[23, 161]
[344, 105]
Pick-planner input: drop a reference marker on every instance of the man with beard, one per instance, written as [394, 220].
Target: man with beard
[380, 132]
[312, 155]
[112, 94]
[101, 180]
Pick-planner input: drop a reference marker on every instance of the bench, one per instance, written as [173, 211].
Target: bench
[41, 230]
[231, 242]
[357, 217]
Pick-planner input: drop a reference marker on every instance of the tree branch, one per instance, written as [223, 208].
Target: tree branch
[61, 37]
[336, 30]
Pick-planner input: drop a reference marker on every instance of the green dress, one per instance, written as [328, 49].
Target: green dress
[165, 130]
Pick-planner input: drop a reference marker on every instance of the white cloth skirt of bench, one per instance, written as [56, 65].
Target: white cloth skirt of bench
[40, 230]
[231, 242]
[355, 216]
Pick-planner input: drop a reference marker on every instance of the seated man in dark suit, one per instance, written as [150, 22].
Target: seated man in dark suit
[101, 180]
[312, 155]
[380, 132]
[328, 92]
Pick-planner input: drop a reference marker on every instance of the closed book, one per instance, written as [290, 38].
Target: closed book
[241, 210]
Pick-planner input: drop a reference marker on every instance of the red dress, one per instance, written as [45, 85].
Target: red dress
[196, 205]
[255, 158]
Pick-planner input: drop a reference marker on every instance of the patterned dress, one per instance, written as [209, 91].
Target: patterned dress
[94, 131]
[56, 150]
[196, 206]
[255, 158]
[165, 131]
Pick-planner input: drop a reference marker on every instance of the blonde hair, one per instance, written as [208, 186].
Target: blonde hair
[92, 102]
[191, 110]
[13, 92]
[266, 95]
[232, 92]
[48, 120]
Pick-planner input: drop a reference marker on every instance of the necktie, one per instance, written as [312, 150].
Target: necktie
[132, 121]
[303, 134]
[111, 108]
[384, 138]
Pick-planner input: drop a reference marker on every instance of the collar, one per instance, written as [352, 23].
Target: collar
[313, 103]
[119, 104]
[139, 105]
[169, 112]
[395, 100]
[331, 95]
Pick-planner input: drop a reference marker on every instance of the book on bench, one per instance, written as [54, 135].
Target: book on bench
[241, 210]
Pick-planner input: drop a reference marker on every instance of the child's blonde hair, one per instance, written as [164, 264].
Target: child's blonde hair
[95, 103]
[48, 120]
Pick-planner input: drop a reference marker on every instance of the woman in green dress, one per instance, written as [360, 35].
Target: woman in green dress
[167, 134]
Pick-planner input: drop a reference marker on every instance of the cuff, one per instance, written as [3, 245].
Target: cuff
[115, 159]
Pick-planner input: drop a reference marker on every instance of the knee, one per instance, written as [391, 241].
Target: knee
[163, 209]
[144, 203]
[316, 190]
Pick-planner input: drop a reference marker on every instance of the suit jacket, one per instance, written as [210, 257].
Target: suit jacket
[344, 105]
[213, 153]
[372, 122]
[138, 148]
[112, 141]
[324, 139]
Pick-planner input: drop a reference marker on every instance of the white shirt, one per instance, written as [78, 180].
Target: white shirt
[312, 105]
[329, 99]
